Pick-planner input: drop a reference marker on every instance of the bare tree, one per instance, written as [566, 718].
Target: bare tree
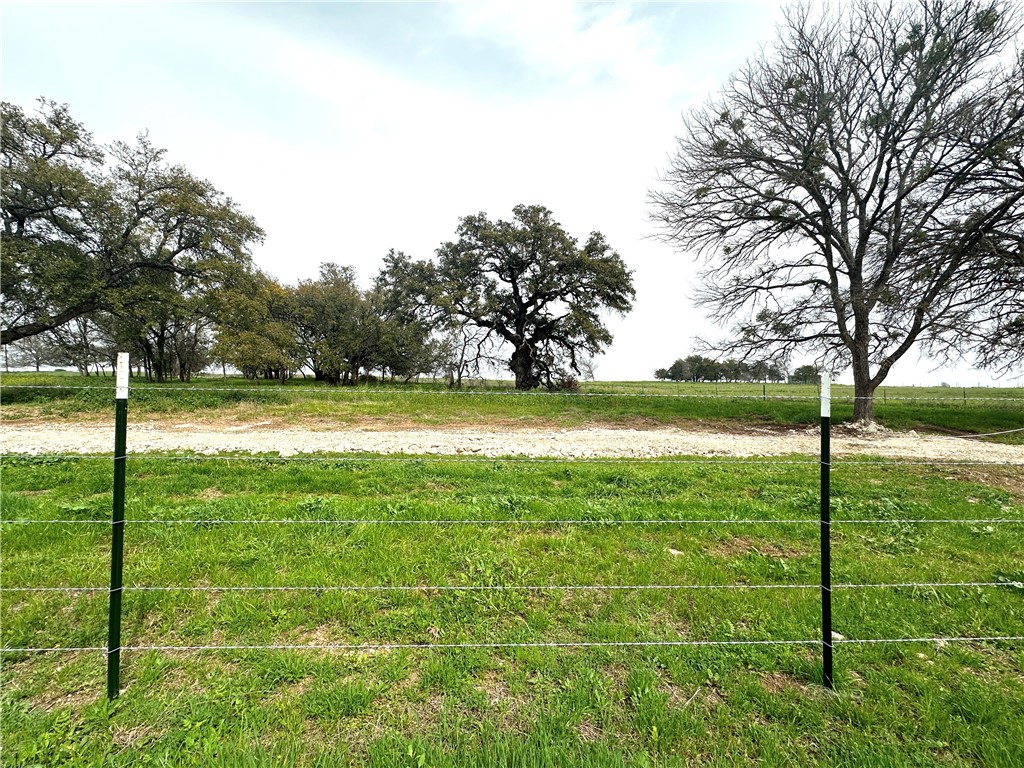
[858, 188]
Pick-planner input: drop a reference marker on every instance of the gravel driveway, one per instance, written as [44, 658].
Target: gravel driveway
[259, 437]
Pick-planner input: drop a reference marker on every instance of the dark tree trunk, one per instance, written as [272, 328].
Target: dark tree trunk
[863, 386]
[522, 365]
[864, 405]
[864, 395]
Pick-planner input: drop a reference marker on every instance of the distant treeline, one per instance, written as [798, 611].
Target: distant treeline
[326, 328]
[698, 368]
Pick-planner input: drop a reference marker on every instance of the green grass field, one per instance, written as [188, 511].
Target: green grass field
[936, 409]
[896, 704]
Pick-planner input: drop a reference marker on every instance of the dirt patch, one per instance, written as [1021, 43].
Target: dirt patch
[127, 738]
[743, 545]
[588, 731]
[494, 687]
[778, 682]
[209, 494]
[503, 703]
[322, 636]
[677, 697]
[74, 700]
[712, 697]
[288, 691]
[409, 714]
[618, 675]
[1005, 480]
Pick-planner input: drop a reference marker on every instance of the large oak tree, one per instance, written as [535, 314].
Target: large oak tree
[526, 283]
[86, 230]
[858, 189]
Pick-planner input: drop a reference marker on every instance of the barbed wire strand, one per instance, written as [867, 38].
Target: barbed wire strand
[913, 520]
[931, 463]
[516, 521]
[355, 392]
[496, 645]
[516, 587]
[356, 521]
[984, 434]
[426, 646]
[425, 588]
[869, 641]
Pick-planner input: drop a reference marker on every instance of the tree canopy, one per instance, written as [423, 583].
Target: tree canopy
[89, 230]
[858, 188]
[526, 284]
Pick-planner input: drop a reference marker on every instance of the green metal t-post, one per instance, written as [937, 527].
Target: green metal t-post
[826, 533]
[117, 528]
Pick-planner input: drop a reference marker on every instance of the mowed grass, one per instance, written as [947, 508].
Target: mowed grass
[898, 704]
[943, 410]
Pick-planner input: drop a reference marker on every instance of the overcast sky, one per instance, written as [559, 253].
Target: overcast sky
[348, 129]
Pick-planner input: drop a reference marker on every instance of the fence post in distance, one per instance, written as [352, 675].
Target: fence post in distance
[826, 534]
[117, 528]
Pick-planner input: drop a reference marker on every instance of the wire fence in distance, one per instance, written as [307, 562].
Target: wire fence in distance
[356, 391]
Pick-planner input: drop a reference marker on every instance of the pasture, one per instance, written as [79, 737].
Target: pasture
[942, 410]
[958, 704]
[593, 613]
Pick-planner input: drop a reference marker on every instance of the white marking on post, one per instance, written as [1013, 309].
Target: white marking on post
[826, 397]
[122, 376]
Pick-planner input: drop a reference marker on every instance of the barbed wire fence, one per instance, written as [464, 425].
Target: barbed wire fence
[827, 642]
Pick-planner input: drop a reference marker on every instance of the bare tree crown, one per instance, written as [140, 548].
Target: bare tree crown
[858, 188]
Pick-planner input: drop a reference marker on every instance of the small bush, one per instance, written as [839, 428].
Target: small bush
[565, 384]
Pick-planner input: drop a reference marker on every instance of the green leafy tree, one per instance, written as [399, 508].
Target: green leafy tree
[452, 345]
[679, 371]
[88, 231]
[700, 368]
[406, 346]
[530, 286]
[858, 188]
[255, 332]
[333, 325]
[806, 374]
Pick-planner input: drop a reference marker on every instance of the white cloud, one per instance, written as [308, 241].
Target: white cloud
[575, 45]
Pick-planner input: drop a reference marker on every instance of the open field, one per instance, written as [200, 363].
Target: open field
[602, 404]
[907, 704]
